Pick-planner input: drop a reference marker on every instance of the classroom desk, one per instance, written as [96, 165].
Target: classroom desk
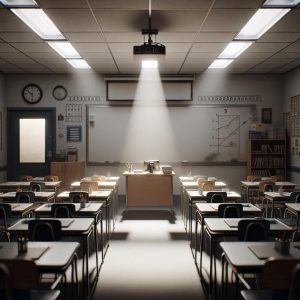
[248, 186]
[91, 210]
[21, 209]
[111, 183]
[11, 186]
[39, 196]
[184, 199]
[243, 260]
[149, 189]
[78, 227]
[217, 227]
[56, 259]
[105, 197]
[195, 196]
[275, 197]
[204, 210]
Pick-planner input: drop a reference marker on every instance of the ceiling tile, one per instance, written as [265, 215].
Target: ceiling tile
[237, 4]
[4, 47]
[33, 47]
[279, 37]
[28, 37]
[84, 37]
[267, 47]
[289, 23]
[90, 47]
[62, 4]
[10, 23]
[208, 47]
[292, 48]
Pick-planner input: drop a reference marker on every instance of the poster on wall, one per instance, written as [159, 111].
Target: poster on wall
[74, 133]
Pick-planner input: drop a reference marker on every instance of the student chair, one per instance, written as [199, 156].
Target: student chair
[5, 214]
[280, 280]
[25, 197]
[63, 210]
[230, 210]
[51, 178]
[26, 178]
[254, 230]
[44, 230]
[37, 186]
[75, 197]
[88, 186]
[216, 197]
[264, 186]
[20, 281]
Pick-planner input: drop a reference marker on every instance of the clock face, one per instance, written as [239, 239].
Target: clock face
[32, 93]
[60, 92]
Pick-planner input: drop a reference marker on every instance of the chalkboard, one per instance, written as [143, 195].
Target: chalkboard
[191, 133]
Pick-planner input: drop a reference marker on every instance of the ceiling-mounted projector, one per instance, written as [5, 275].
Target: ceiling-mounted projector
[149, 47]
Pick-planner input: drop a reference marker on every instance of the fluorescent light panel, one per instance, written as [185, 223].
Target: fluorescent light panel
[78, 63]
[234, 49]
[149, 64]
[39, 22]
[261, 21]
[281, 3]
[65, 49]
[19, 3]
[220, 63]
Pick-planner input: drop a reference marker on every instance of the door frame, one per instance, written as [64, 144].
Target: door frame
[11, 110]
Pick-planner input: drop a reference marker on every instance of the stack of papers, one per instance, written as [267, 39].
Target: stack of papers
[166, 169]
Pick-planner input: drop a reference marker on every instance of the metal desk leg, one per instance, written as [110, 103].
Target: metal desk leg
[201, 243]
[196, 237]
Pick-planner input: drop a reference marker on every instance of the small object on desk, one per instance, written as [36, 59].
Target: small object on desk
[22, 245]
[280, 191]
[283, 247]
[200, 191]
[82, 201]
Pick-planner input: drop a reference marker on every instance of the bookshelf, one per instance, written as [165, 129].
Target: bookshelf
[267, 157]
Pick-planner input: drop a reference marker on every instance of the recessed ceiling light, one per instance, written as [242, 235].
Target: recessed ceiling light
[220, 63]
[78, 63]
[65, 49]
[39, 22]
[234, 49]
[149, 64]
[281, 3]
[19, 3]
[261, 21]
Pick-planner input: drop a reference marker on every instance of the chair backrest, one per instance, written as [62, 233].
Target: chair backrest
[22, 274]
[206, 185]
[5, 210]
[25, 197]
[51, 178]
[37, 186]
[253, 178]
[295, 197]
[44, 230]
[230, 210]
[26, 178]
[266, 186]
[63, 210]
[89, 185]
[216, 197]
[254, 230]
[278, 274]
[276, 178]
[295, 282]
[75, 197]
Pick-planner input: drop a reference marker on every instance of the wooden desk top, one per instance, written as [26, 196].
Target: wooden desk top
[90, 208]
[57, 255]
[219, 225]
[24, 184]
[158, 173]
[253, 184]
[194, 184]
[276, 196]
[293, 206]
[38, 195]
[212, 208]
[77, 226]
[104, 194]
[101, 184]
[243, 258]
[194, 194]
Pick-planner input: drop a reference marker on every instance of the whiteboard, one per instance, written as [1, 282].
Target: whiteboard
[171, 134]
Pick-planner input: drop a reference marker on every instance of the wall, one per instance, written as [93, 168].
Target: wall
[292, 88]
[207, 84]
[3, 130]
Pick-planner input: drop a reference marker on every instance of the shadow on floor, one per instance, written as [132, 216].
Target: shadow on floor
[148, 214]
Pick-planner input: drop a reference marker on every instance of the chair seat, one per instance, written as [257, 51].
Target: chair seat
[9, 221]
[290, 222]
[261, 295]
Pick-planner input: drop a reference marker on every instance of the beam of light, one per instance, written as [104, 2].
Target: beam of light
[149, 134]
[149, 64]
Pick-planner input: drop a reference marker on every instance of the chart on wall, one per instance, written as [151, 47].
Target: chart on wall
[191, 133]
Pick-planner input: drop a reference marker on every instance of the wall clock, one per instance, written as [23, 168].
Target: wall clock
[32, 93]
[59, 92]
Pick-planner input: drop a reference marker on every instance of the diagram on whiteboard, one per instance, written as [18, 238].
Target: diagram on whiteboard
[226, 135]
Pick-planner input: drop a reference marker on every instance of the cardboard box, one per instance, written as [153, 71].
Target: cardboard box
[257, 127]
